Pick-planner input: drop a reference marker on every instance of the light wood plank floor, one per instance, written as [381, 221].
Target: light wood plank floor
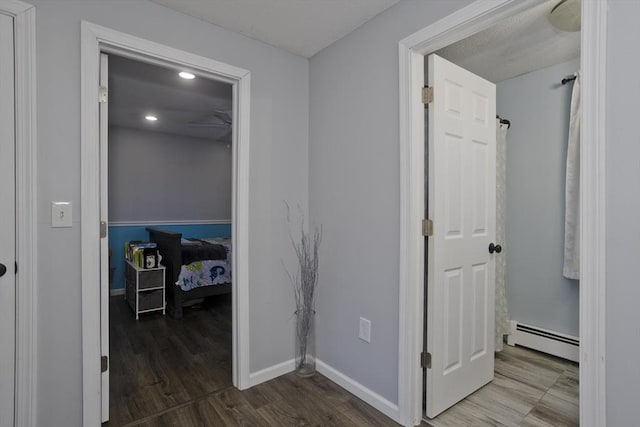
[529, 389]
[167, 372]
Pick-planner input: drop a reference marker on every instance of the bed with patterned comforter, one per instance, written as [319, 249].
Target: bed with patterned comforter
[195, 268]
[209, 270]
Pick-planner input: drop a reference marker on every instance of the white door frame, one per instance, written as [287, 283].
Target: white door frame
[463, 23]
[26, 246]
[94, 40]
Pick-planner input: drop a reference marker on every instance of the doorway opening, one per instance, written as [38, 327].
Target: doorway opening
[497, 138]
[458, 26]
[234, 119]
[168, 212]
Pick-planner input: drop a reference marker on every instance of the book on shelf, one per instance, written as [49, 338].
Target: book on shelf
[142, 254]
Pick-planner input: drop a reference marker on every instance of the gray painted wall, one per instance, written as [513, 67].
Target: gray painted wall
[279, 170]
[354, 182]
[538, 108]
[157, 176]
[623, 207]
[353, 189]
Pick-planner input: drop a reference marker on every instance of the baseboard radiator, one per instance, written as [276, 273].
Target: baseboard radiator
[544, 340]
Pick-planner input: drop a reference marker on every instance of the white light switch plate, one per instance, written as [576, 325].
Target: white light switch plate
[365, 329]
[61, 215]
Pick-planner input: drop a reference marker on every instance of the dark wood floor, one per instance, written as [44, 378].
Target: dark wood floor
[167, 372]
[158, 362]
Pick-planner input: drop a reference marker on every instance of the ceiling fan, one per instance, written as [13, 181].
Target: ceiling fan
[217, 119]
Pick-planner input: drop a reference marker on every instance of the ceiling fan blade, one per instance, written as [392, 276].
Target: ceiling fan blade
[216, 119]
[199, 125]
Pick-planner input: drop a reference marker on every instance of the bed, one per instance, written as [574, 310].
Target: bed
[196, 268]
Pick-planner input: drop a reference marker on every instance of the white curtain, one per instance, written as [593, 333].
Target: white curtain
[571, 269]
[502, 313]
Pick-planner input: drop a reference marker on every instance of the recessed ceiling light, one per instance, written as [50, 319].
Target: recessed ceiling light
[151, 118]
[186, 75]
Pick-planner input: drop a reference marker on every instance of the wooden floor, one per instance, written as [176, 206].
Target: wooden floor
[529, 389]
[167, 372]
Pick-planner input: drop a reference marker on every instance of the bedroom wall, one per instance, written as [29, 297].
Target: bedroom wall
[354, 182]
[278, 163]
[538, 108]
[156, 176]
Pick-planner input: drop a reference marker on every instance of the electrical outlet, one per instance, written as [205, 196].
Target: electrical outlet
[365, 329]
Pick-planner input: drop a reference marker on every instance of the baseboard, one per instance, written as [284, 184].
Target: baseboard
[544, 340]
[271, 372]
[352, 386]
[114, 292]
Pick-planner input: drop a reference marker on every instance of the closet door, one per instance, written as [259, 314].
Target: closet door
[7, 223]
[462, 204]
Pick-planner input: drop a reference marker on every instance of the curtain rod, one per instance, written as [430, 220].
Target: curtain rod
[568, 79]
[504, 121]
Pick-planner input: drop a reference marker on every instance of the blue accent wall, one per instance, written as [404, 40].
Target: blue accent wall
[118, 235]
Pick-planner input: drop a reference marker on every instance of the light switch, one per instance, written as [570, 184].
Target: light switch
[61, 214]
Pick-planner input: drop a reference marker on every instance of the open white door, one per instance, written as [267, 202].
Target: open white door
[7, 223]
[104, 241]
[461, 200]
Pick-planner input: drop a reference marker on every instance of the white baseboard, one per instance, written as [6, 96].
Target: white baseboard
[372, 398]
[114, 292]
[544, 340]
[271, 372]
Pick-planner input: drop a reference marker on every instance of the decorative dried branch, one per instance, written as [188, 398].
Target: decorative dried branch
[304, 282]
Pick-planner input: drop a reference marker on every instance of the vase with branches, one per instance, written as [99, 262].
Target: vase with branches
[304, 282]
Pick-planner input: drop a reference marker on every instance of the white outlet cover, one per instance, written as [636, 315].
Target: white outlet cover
[61, 214]
[365, 330]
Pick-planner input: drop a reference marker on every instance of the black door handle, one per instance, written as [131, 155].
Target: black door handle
[3, 269]
[494, 248]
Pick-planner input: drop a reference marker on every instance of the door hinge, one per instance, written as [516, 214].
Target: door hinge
[103, 229]
[427, 95]
[104, 363]
[103, 95]
[427, 227]
[425, 360]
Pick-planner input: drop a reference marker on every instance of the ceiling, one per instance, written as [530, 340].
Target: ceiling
[200, 107]
[137, 89]
[303, 27]
[517, 45]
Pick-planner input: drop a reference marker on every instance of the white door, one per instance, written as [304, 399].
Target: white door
[104, 241]
[7, 224]
[461, 201]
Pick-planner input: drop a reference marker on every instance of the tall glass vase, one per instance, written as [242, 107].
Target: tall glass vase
[305, 343]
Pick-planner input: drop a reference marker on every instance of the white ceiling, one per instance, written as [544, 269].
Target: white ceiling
[303, 27]
[517, 45]
[137, 89]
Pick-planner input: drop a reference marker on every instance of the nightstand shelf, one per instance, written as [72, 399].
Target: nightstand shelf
[145, 288]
